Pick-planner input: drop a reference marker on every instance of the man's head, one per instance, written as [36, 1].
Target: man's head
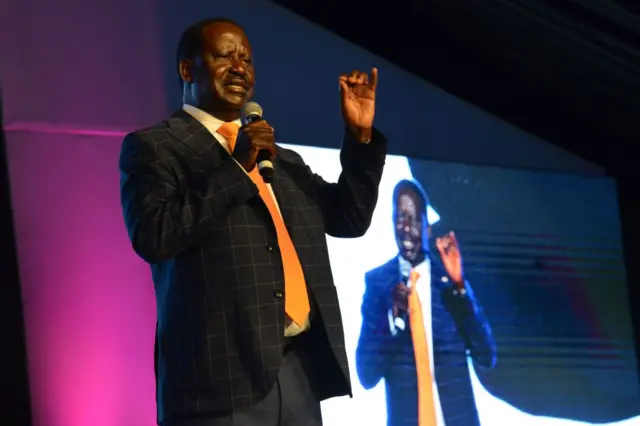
[410, 220]
[216, 67]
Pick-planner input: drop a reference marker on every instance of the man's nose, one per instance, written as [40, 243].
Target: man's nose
[238, 67]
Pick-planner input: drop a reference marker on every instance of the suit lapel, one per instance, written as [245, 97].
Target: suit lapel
[280, 186]
[439, 277]
[392, 274]
[193, 134]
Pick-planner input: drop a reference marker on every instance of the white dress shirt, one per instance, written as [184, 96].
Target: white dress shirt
[423, 287]
[212, 124]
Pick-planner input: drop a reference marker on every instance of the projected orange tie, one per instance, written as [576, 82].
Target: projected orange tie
[296, 301]
[426, 409]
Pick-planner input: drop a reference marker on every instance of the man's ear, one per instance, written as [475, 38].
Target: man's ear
[186, 70]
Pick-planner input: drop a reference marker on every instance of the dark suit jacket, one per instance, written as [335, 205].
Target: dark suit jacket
[197, 218]
[459, 326]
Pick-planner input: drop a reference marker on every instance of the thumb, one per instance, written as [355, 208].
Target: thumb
[343, 91]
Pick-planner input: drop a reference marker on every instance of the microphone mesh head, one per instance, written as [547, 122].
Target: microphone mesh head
[251, 109]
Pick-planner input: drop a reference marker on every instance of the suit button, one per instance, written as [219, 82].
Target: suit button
[270, 248]
[278, 294]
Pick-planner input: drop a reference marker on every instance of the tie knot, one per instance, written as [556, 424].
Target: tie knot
[414, 276]
[230, 131]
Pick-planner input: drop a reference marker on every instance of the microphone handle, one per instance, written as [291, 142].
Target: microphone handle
[403, 315]
[263, 161]
[265, 166]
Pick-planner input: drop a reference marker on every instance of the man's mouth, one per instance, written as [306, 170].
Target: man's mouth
[408, 245]
[236, 86]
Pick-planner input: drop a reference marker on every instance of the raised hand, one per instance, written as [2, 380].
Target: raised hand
[358, 99]
[451, 257]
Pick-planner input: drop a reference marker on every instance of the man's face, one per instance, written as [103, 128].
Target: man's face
[410, 228]
[223, 76]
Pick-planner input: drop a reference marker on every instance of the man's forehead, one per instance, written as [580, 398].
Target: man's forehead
[406, 199]
[223, 30]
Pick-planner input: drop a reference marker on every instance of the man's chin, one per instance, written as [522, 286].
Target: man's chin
[235, 98]
[409, 255]
[413, 256]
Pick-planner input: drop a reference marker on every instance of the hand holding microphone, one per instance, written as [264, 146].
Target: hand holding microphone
[256, 142]
[400, 300]
[399, 312]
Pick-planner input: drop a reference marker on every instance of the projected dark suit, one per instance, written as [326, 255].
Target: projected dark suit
[458, 324]
[459, 328]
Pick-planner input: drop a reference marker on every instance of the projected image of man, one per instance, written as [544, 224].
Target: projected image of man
[420, 322]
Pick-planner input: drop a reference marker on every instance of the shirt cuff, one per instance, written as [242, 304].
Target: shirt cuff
[392, 326]
[396, 325]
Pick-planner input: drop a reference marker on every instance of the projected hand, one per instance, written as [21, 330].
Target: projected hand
[451, 258]
[400, 296]
[358, 96]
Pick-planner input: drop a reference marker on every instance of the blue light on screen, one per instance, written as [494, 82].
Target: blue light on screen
[351, 258]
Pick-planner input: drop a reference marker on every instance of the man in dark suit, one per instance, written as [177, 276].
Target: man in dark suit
[451, 324]
[249, 328]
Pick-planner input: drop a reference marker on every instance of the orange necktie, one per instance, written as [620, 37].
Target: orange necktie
[426, 409]
[296, 301]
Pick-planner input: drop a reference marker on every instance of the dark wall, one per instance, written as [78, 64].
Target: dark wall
[15, 403]
[104, 68]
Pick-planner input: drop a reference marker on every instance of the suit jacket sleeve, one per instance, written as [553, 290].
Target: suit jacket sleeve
[472, 324]
[163, 217]
[347, 206]
[375, 345]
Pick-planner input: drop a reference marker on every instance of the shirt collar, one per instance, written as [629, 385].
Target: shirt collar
[422, 268]
[210, 122]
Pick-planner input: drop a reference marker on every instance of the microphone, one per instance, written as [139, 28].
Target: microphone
[251, 112]
[401, 320]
